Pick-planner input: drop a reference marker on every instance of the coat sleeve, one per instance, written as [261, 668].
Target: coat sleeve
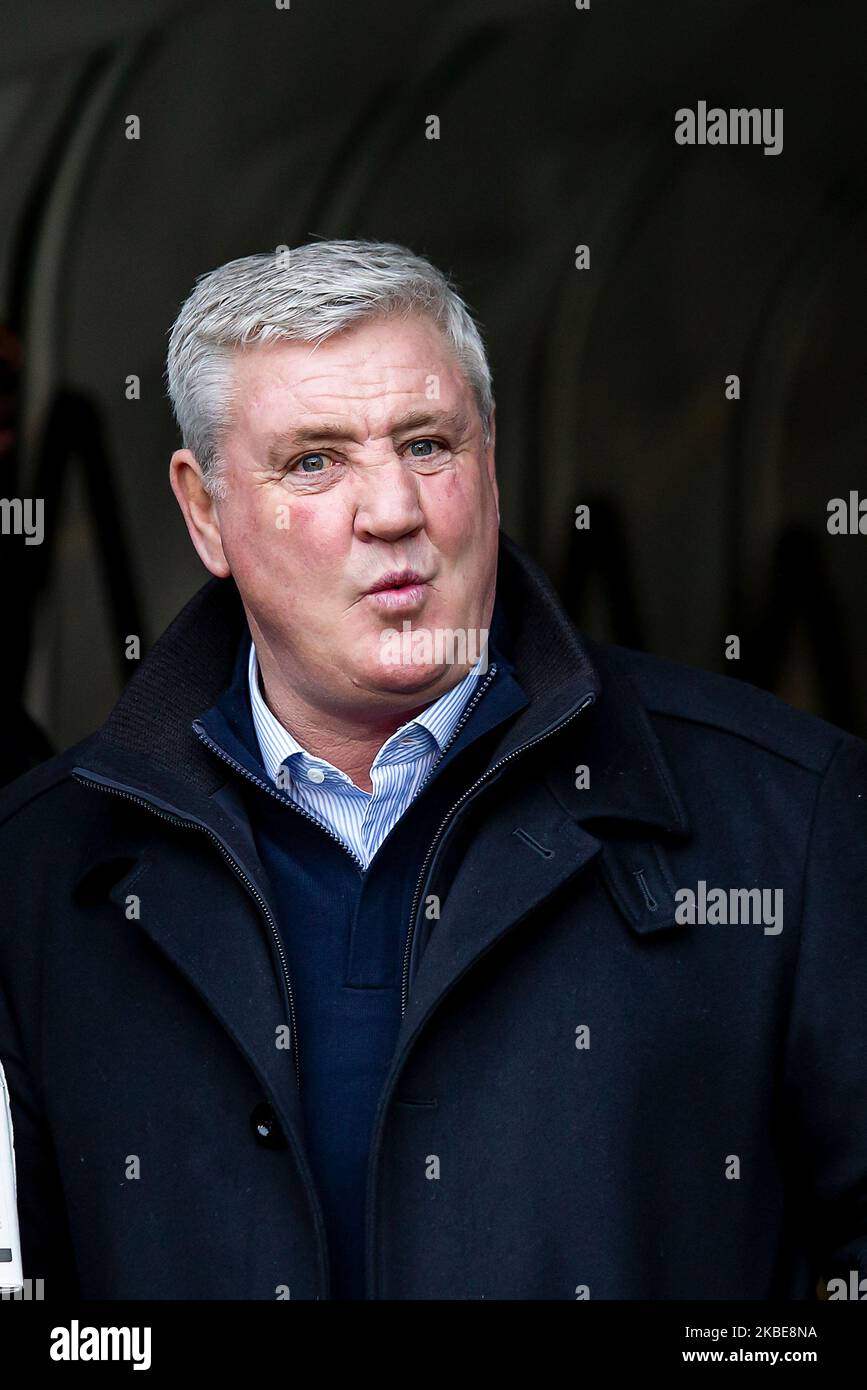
[825, 1072]
[46, 1250]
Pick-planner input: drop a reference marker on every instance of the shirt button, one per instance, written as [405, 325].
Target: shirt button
[316, 774]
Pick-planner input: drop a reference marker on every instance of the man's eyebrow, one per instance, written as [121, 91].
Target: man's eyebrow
[431, 419]
[281, 443]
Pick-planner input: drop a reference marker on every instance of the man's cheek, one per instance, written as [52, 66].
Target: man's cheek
[451, 488]
[451, 507]
[299, 523]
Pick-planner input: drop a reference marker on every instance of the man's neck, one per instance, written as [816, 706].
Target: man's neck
[349, 743]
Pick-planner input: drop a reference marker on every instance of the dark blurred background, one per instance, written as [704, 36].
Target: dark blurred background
[263, 126]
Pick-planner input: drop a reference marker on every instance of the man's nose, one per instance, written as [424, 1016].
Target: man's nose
[388, 504]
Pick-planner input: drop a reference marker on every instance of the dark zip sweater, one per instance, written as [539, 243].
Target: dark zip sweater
[344, 932]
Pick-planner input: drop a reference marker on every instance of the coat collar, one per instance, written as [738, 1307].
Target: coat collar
[148, 744]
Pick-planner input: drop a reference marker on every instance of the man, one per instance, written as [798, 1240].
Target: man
[391, 939]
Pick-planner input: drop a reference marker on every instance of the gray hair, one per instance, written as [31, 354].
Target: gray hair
[304, 294]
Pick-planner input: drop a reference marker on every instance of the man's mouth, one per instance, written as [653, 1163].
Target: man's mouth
[398, 589]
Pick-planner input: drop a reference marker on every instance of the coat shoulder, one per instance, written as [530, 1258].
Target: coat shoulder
[724, 706]
[47, 778]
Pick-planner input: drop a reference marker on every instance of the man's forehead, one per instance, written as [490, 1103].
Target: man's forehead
[363, 382]
[294, 382]
[421, 401]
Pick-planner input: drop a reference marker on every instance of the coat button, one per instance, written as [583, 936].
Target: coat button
[266, 1128]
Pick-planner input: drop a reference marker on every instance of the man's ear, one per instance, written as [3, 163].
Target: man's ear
[200, 512]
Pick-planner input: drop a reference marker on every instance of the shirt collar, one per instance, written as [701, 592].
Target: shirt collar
[436, 723]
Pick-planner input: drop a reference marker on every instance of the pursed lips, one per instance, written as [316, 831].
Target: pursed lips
[398, 589]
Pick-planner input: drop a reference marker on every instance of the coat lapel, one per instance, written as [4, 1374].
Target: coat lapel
[537, 848]
[216, 935]
[208, 937]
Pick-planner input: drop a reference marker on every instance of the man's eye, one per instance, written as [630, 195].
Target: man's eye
[423, 448]
[310, 463]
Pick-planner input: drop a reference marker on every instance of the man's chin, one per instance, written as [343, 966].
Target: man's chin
[422, 681]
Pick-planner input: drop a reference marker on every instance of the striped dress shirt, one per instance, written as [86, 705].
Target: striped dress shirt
[359, 819]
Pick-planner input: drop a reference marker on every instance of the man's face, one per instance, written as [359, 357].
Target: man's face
[358, 464]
